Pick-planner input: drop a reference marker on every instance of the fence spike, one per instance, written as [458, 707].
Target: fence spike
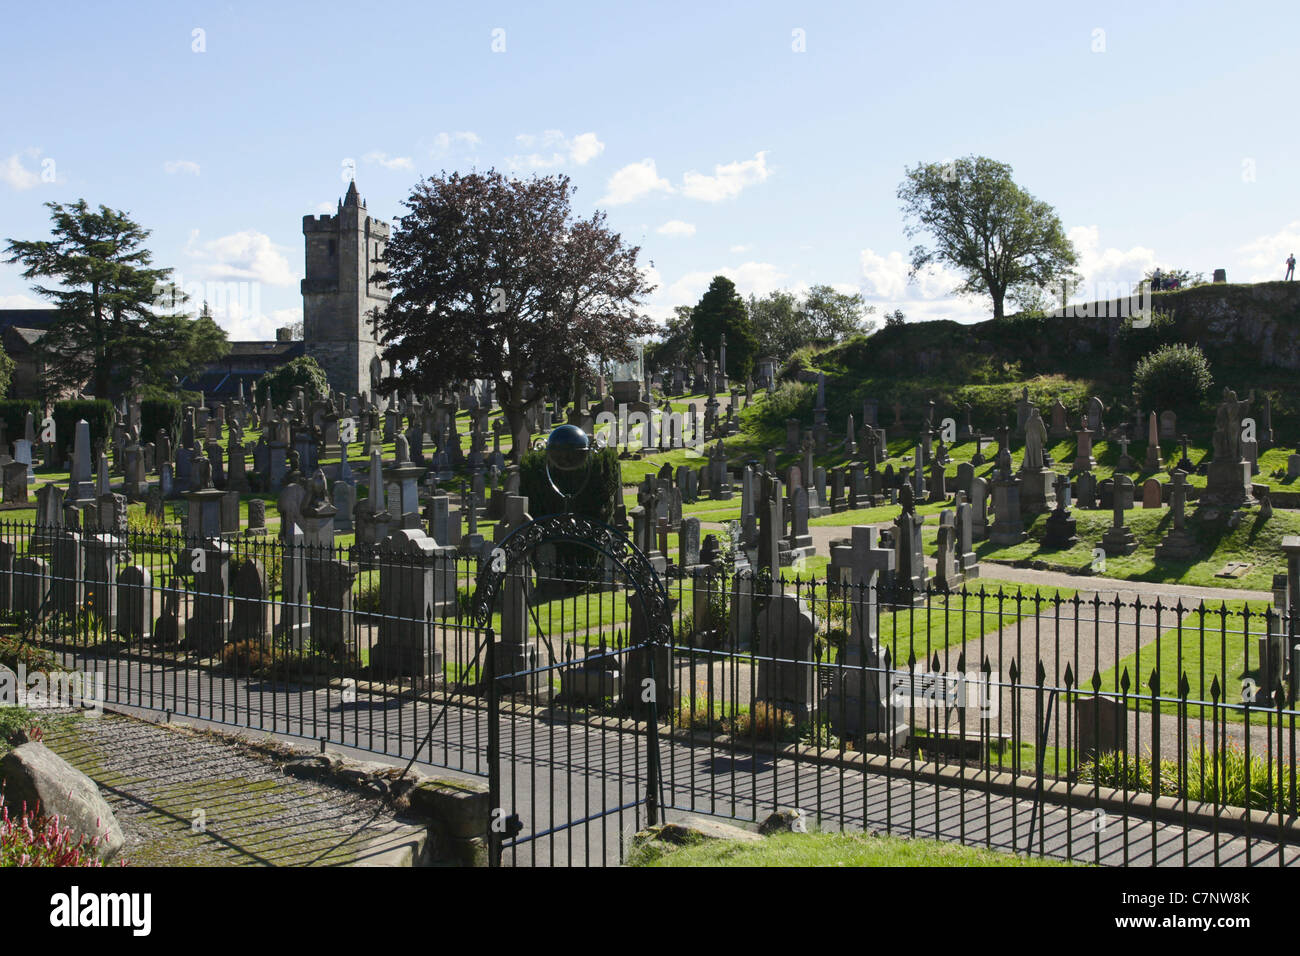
[1124, 682]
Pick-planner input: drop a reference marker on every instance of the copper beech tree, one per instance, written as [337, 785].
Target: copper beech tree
[493, 278]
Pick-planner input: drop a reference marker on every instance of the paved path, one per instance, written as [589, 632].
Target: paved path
[556, 771]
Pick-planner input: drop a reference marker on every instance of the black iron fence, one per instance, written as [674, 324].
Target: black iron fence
[1108, 729]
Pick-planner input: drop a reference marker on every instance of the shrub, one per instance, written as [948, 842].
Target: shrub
[98, 413]
[280, 383]
[1173, 376]
[790, 400]
[27, 839]
[16, 653]
[597, 499]
[160, 413]
[14, 413]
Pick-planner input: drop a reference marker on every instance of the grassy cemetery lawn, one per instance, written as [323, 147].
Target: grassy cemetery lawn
[826, 849]
[1220, 650]
[1254, 541]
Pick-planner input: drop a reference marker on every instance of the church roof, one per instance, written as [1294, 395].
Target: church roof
[353, 198]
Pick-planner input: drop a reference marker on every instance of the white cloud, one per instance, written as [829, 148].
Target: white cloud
[21, 301]
[552, 148]
[1107, 272]
[738, 249]
[886, 276]
[751, 278]
[445, 142]
[1266, 256]
[327, 208]
[727, 180]
[585, 147]
[246, 256]
[17, 175]
[675, 227]
[389, 162]
[633, 182]
[174, 166]
[245, 325]
[885, 285]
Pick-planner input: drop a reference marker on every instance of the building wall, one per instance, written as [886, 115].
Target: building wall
[338, 292]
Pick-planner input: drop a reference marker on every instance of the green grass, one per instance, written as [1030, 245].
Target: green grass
[826, 849]
[1255, 541]
[1219, 655]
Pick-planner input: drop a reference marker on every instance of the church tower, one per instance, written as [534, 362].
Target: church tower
[344, 251]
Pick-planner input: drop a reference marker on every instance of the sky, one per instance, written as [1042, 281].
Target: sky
[763, 141]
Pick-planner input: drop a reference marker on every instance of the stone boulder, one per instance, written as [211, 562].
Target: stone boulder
[35, 775]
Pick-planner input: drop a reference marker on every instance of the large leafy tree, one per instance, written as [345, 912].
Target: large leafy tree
[1004, 243]
[783, 323]
[113, 328]
[493, 278]
[722, 310]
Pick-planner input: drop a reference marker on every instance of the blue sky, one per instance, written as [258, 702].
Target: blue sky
[1163, 134]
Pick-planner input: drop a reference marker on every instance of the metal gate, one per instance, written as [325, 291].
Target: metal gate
[573, 697]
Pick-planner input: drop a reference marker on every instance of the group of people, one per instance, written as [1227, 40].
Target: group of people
[1160, 281]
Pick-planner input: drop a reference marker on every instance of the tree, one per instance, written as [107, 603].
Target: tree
[278, 384]
[783, 323]
[894, 319]
[111, 328]
[673, 348]
[999, 238]
[493, 278]
[722, 310]
[185, 346]
[6, 372]
[776, 322]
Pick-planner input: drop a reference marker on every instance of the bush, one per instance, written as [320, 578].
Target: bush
[14, 413]
[160, 413]
[28, 839]
[280, 383]
[98, 413]
[1173, 377]
[598, 499]
[790, 400]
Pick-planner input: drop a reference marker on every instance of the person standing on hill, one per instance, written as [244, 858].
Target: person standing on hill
[1290, 268]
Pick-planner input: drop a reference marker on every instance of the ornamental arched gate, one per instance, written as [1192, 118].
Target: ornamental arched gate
[573, 689]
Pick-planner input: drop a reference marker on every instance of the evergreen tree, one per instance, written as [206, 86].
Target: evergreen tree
[722, 310]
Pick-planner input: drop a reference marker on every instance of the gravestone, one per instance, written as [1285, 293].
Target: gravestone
[1179, 544]
[135, 603]
[1118, 538]
[786, 630]
[1151, 493]
[1008, 525]
[855, 704]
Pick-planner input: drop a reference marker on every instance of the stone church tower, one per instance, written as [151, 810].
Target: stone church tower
[343, 252]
